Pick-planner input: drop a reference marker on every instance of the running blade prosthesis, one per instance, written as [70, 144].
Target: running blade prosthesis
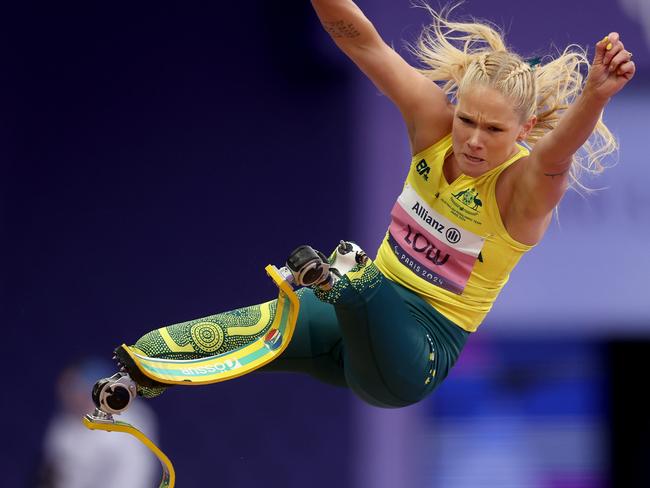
[113, 395]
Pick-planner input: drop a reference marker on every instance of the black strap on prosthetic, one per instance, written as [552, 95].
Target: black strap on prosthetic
[138, 376]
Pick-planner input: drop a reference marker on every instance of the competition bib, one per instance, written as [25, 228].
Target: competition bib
[430, 245]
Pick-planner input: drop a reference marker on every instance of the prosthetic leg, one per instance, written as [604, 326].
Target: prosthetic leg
[113, 395]
[101, 420]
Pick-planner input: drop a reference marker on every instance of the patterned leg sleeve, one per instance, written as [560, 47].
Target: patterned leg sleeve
[387, 354]
[207, 336]
[360, 280]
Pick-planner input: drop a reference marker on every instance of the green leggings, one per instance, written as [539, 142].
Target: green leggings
[376, 337]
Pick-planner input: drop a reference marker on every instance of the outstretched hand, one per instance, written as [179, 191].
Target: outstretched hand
[611, 68]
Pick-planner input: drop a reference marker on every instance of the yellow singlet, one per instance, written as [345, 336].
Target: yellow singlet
[446, 242]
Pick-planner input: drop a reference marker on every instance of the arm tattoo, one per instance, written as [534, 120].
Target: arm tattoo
[553, 175]
[339, 28]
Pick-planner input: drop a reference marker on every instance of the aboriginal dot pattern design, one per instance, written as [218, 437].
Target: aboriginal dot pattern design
[207, 336]
[150, 392]
[361, 278]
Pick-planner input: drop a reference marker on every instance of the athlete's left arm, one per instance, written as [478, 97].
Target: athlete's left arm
[545, 178]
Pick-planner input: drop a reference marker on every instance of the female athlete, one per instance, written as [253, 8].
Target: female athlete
[496, 141]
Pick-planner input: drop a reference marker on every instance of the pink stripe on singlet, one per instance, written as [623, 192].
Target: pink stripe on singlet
[430, 258]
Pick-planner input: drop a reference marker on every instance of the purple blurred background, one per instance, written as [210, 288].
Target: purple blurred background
[157, 156]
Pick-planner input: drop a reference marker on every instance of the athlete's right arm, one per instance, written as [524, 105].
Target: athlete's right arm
[424, 106]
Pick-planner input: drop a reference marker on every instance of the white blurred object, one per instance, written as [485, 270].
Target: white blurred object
[639, 11]
[81, 458]
[76, 457]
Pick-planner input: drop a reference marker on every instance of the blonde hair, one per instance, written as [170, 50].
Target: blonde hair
[459, 54]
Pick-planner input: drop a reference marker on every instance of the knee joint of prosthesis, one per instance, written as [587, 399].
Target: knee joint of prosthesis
[113, 395]
[310, 267]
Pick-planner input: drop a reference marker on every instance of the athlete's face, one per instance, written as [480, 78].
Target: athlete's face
[485, 130]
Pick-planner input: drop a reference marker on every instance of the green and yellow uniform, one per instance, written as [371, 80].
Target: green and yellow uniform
[446, 241]
[389, 330]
